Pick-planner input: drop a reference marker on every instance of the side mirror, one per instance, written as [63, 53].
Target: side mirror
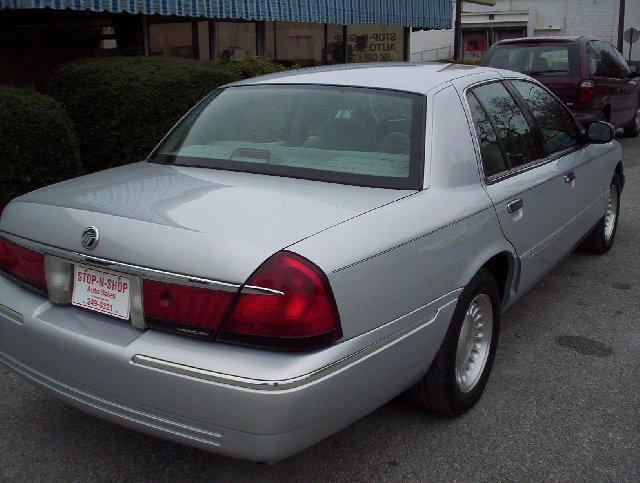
[634, 72]
[600, 132]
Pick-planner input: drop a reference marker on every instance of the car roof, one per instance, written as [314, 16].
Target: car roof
[544, 39]
[405, 76]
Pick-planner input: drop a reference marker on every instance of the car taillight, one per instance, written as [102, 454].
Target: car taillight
[23, 264]
[586, 92]
[300, 313]
[179, 308]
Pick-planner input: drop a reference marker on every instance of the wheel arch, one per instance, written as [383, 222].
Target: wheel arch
[503, 264]
[621, 174]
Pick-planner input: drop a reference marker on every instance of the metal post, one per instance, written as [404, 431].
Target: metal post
[195, 40]
[621, 26]
[145, 35]
[345, 46]
[457, 32]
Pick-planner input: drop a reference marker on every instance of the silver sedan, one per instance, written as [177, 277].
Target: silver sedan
[302, 248]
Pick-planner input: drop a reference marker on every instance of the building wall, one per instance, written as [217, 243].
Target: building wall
[597, 18]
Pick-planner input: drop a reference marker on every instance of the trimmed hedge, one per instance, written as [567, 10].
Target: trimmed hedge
[252, 66]
[38, 145]
[123, 106]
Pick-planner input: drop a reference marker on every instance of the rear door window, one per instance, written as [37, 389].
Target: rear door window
[558, 129]
[493, 160]
[514, 132]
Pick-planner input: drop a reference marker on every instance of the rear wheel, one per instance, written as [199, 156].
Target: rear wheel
[632, 129]
[460, 370]
[601, 238]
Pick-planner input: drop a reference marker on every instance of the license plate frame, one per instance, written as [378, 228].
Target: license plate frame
[102, 291]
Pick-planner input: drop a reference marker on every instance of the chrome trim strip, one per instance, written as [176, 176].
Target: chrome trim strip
[544, 244]
[253, 289]
[281, 385]
[12, 314]
[131, 269]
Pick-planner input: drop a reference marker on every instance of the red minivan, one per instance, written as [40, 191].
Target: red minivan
[588, 74]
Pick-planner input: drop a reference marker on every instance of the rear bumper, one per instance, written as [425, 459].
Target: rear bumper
[272, 406]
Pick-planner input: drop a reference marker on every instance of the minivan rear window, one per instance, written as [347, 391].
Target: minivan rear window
[348, 135]
[546, 59]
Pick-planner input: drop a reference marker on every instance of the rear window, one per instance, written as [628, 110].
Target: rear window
[348, 135]
[537, 59]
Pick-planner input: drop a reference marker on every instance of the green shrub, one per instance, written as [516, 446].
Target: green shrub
[122, 106]
[252, 66]
[38, 145]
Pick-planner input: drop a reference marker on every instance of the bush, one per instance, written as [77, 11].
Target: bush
[123, 106]
[38, 145]
[252, 66]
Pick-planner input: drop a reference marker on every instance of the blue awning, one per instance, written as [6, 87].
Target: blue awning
[433, 14]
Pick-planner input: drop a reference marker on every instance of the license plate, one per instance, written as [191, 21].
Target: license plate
[101, 291]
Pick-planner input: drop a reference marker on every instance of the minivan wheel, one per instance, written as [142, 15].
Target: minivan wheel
[460, 370]
[632, 129]
[601, 238]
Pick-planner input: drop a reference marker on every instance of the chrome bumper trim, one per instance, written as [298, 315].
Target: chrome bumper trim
[131, 269]
[281, 385]
[12, 314]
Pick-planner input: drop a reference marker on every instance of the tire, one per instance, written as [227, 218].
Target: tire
[601, 238]
[439, 390]
[632, 130]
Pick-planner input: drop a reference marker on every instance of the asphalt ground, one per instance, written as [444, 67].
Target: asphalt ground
[563, 402]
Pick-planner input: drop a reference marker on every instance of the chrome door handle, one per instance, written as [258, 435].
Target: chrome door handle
[514, 205]
[569, 177]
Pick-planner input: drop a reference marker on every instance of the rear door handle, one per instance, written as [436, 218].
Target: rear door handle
[514, 205]
[569, 177]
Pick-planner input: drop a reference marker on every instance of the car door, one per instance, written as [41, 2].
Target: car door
[629, 90]
[530, 192]
[563, 144]
[607, 77]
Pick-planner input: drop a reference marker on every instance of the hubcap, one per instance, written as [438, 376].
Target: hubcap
[474, 343]
[612, 213]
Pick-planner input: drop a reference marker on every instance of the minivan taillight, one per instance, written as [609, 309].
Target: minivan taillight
[586, 91]
[185, 309]
[300, 313]
[23, 264]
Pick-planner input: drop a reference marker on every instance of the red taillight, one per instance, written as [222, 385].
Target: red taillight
[190, 310]
[23, 264]
[303, 315]
[586, 92]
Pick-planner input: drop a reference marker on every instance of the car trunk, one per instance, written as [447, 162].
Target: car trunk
[200, 222]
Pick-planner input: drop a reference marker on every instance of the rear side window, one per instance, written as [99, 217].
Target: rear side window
[493, 161]
[557, 128]
[603, 60]
[514, 132]
[542, 59]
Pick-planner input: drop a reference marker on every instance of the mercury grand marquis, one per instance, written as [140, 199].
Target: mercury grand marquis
[302, 248]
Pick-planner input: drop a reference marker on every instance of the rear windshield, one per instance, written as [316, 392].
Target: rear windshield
[348, 135]
[540, 59]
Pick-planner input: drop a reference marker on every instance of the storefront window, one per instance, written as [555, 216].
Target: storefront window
[375, 43]
[334, 50]
[173, 39]
[235, 40]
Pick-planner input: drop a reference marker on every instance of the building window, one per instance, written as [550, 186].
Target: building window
[171, 39]
[298, 43]
[235, 40]
[375, 43]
